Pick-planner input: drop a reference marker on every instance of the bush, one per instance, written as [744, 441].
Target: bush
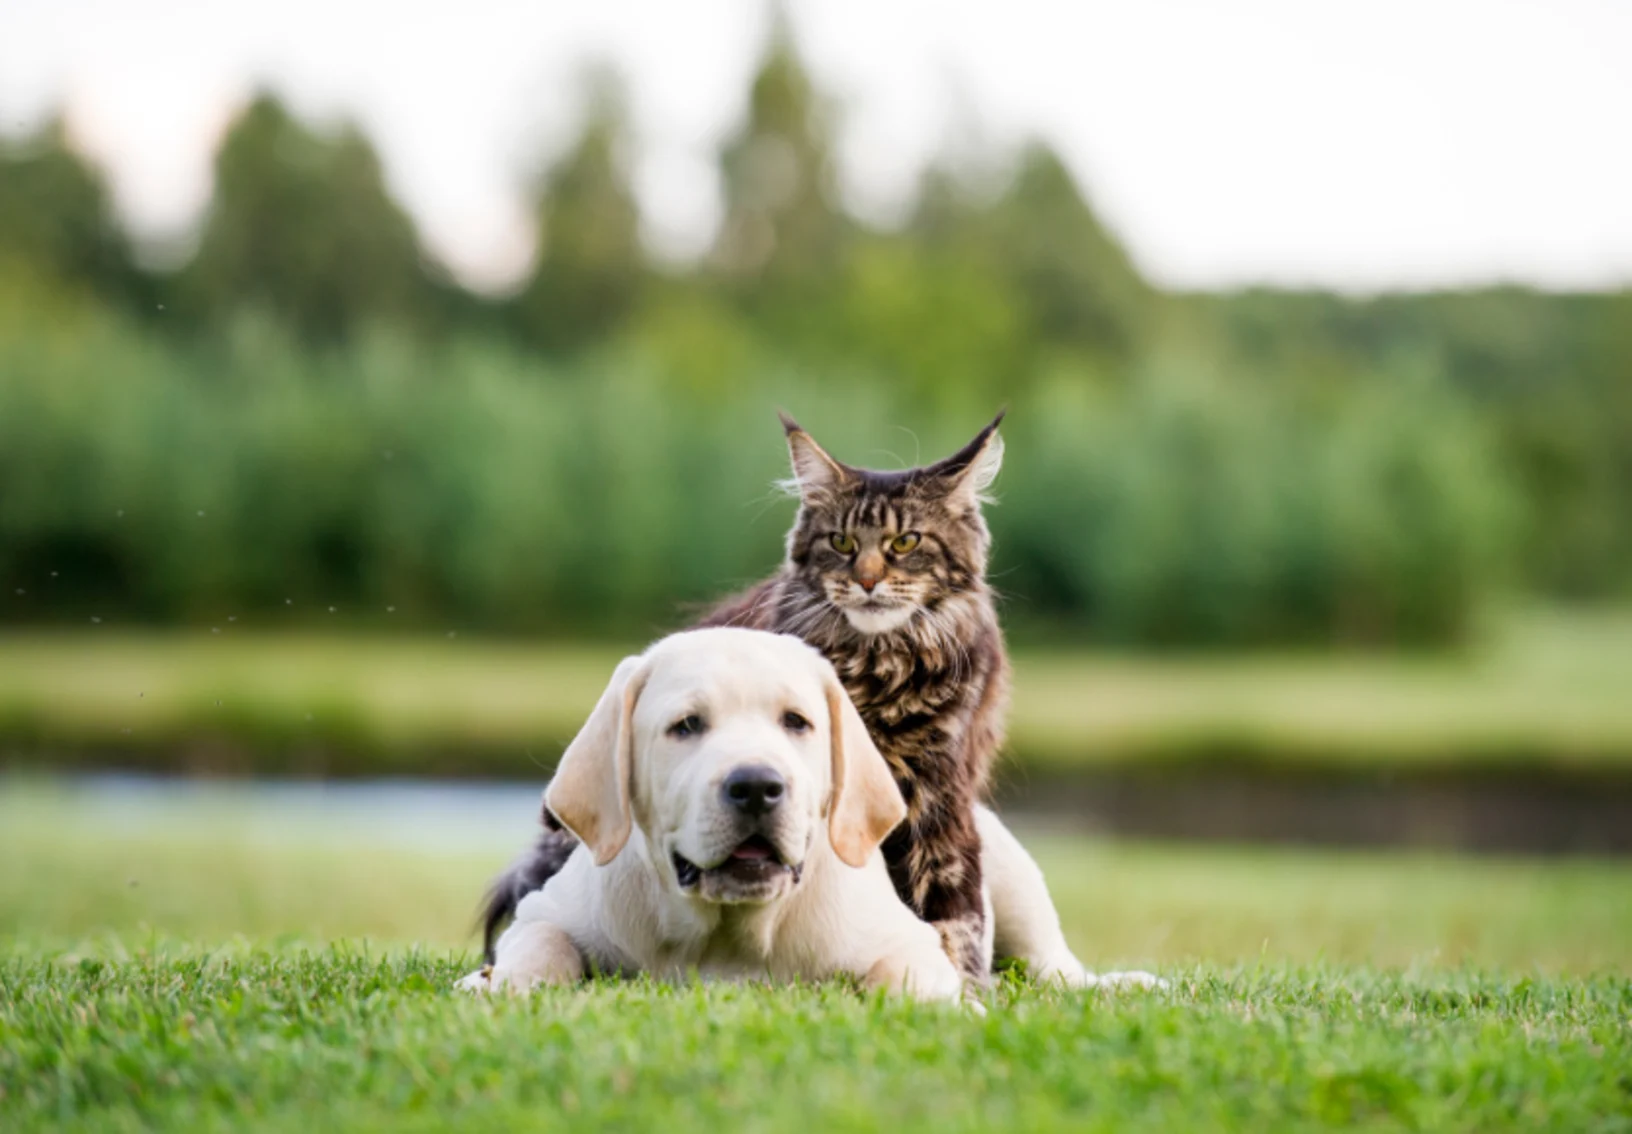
[1183, 512]
[468, 485]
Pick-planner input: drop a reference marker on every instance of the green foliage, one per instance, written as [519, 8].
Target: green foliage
[236, 476]
[591, 268]
[1551, 375]
[782, 236]
[1082, 291]
[302, 225]
[944, 327]
[469, 484]
[1193, 511]
[1260, 467]
[57, 224]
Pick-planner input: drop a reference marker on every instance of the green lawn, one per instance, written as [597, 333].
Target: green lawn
[223, 969]
[348, 1040]
[1543, 689]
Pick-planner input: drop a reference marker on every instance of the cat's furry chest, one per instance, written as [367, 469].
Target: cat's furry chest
[892, 686]
[912, 682]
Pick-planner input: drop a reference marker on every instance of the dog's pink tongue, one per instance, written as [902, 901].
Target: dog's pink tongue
[752, 850]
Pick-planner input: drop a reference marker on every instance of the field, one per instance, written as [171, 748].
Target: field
[1541, 691]
[203, 958]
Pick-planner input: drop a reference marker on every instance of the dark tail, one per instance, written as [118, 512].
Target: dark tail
[537, 866]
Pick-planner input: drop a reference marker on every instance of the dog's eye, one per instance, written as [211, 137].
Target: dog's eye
[689, 725]
[795, 722]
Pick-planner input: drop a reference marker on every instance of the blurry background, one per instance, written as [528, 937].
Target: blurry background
[369, 382]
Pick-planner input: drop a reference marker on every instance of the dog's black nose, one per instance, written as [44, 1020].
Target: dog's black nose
[755, 790]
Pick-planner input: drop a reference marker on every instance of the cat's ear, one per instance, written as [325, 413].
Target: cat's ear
[815, 474]
[968, 473]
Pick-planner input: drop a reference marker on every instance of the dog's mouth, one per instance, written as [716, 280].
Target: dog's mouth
[873, 602]
[755, 859]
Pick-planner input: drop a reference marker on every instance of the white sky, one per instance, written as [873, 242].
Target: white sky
[1357, 145]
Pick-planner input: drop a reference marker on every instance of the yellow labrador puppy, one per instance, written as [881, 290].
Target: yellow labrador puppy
[730, 805]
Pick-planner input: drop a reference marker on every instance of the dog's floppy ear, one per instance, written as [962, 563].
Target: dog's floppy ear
[866, 804]
[590, 791]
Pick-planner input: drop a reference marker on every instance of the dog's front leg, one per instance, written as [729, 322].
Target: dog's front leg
[530, 953]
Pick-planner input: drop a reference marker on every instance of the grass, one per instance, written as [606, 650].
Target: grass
[342, 1039]
[243, 969]
[1544, 690]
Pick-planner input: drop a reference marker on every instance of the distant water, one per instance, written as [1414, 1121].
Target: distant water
[412, 813]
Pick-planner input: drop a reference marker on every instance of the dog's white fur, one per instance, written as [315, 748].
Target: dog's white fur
[636, 796]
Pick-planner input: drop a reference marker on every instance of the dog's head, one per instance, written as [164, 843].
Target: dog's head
[728, 747]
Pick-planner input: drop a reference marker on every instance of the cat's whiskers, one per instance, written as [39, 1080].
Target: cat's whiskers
[801, 621]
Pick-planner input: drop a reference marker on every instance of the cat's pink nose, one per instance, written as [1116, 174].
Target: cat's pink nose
[868, 582]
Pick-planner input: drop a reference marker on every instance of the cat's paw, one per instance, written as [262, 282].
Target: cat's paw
[480, 981]
[1132, 980]
[1064, 971]
[488, 981]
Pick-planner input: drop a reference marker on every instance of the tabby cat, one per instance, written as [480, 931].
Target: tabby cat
[885, 574]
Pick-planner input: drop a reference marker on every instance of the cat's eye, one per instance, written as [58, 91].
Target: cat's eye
[689, 725]
[843, 544]
[904, 542]
[795, 722]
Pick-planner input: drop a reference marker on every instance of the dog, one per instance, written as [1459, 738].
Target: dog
[698, 790]
[729, 806]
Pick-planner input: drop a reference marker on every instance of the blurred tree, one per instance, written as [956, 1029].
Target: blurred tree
[1551, 375]
[1007, 281]
[783, 240]
[302, 224]
[938, 321]
[1255, 466]
[56, 218]
[591, 267]
[1078, 282]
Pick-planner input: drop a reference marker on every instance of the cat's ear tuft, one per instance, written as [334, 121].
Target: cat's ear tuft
[815, 474]
[970, 471]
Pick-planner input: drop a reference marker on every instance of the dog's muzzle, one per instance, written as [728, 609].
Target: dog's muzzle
[753, 864]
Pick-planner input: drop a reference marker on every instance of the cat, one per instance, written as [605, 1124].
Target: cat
[885, 573]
